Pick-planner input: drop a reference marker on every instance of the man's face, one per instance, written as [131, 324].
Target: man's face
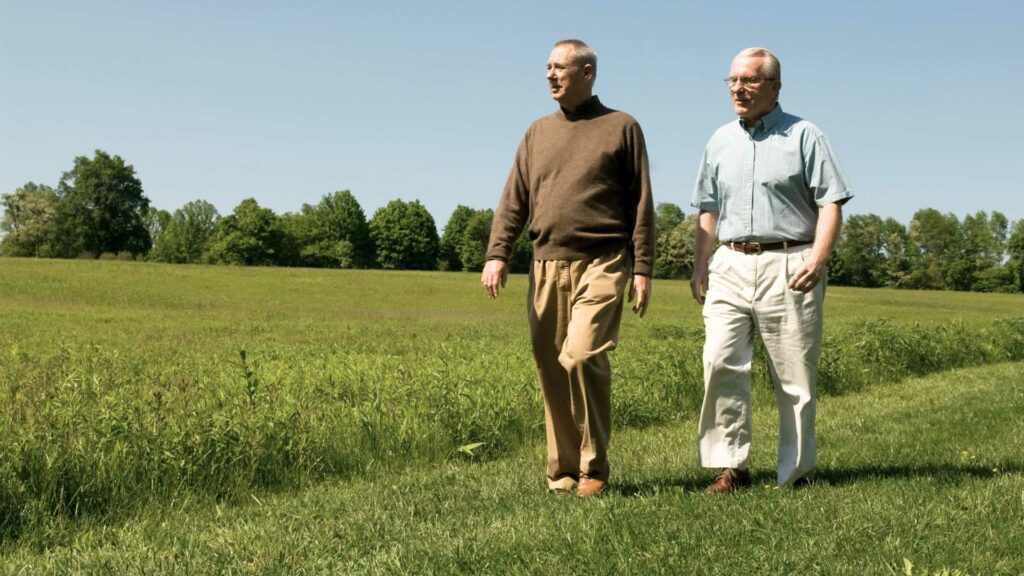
[569, 82]
[751, 100]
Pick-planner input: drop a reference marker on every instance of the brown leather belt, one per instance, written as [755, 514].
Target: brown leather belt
[758, 247]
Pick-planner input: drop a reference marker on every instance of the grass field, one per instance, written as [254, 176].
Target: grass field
[906, 472]
[196, 419]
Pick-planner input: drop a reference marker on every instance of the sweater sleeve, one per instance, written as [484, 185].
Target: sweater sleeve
[641, 204]
[513, 209]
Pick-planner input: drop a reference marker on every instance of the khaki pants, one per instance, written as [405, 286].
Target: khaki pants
[574, 309]
[748, 292]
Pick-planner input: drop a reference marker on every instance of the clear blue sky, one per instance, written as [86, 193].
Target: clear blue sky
[285, 102]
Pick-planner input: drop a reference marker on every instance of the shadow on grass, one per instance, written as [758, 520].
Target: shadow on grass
[837, 476]
[944, 473]
[658, 485]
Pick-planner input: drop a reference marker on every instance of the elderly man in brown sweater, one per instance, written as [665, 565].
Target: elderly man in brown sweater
[580, 182]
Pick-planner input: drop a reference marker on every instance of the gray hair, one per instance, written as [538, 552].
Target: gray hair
[771, 68]
[582, 53]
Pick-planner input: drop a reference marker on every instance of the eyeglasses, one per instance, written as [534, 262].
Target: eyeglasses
[745, 81]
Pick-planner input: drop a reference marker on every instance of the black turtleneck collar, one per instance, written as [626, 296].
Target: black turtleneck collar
[588, 109]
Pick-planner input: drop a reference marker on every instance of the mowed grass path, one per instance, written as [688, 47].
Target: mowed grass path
[928, 470]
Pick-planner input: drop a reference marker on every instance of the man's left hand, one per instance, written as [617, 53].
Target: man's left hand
[641, 290]
[807, 275]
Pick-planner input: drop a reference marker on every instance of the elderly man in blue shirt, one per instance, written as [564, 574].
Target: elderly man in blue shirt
[771, 189]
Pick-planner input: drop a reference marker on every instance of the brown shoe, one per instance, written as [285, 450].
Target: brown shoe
[590, 487]
[729, 480]
[562, 485]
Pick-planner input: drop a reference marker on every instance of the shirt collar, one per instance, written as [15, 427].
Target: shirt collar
[766, 122]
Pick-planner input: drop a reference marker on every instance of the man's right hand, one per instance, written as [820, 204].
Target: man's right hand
[703, 247]
[699, 283]
[494, 277]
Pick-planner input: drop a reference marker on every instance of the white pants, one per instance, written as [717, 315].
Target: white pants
[747, 292]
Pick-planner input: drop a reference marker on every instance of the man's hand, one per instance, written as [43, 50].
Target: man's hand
[699, 283]
[494, 276]
[808, 274]
[703, 247]
[641, 290]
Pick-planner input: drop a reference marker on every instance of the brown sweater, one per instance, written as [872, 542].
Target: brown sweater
[581, 180]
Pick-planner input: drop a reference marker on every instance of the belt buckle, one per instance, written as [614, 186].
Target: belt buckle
[754, 248]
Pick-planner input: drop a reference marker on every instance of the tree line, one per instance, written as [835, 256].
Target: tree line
[99, 210]
[981, 253]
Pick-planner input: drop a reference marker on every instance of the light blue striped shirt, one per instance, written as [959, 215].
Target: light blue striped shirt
[768, 184]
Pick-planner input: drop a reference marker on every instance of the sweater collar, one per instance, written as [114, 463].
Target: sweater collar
[588, 109]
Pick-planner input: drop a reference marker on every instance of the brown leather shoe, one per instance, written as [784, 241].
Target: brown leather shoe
[562, 485]
[590, 487]
[729, 480]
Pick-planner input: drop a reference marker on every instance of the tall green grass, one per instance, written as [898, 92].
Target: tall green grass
[123, 383]
[927, 471]
[876, 352]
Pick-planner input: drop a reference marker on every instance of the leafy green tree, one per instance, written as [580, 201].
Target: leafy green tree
[522, 253]
[935, 233]
[405, 236]
[156, 221]
[296, 228]
[183, 239]
[473, 248]
[666, 217]
[333, 233]
[859, 258]
[899, 253]
[251, 236]
[937, 263]
[102, 207]
[670, 246]
[675, 248]
[984, 243]
[451, 238]
[999, 225]
[29, 223]
[1015, 249]
[994, 279]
